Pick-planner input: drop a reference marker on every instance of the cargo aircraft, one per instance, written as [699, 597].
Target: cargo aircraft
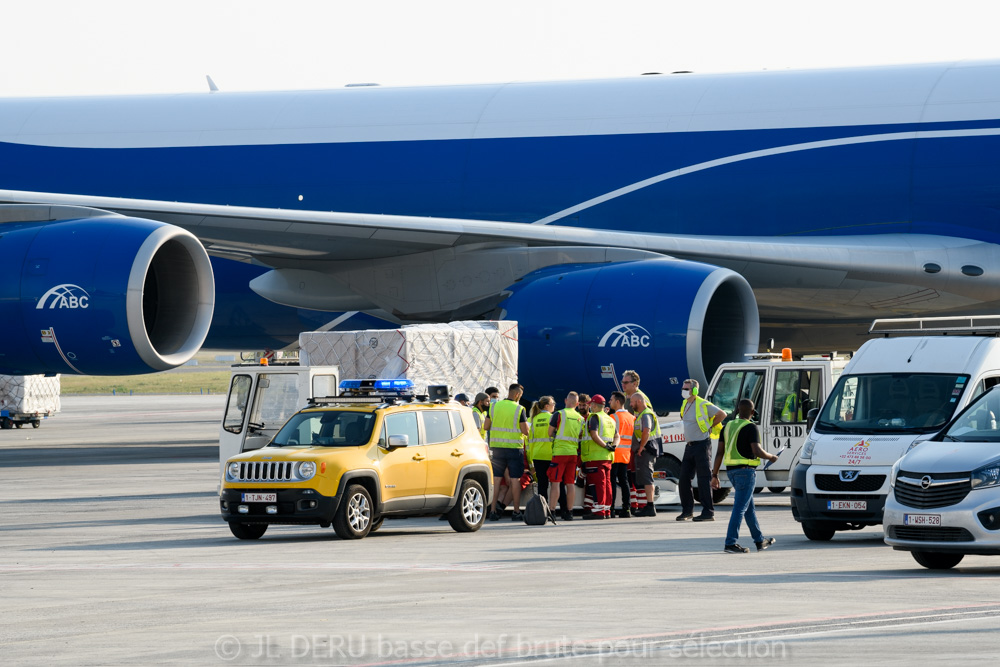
[664, 223]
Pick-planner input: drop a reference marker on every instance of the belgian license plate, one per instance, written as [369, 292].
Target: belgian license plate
[921, 519]
[855, 505]
[260, 497]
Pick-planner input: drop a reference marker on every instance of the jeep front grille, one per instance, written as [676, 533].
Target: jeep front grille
[264, 471]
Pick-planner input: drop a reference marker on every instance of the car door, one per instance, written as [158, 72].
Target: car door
[444, 456]
[403, 470]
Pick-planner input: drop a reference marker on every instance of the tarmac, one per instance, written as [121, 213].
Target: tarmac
[112, 552]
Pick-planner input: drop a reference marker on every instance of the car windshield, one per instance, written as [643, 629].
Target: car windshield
[979, 421]
[891, 403]
[329, 428]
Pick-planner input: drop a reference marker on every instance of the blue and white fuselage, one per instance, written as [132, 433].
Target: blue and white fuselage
[838, 195]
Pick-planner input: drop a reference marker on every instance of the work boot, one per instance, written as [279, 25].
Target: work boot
[648, 510]
[684, 516]
[492, 516]
[768, 541]
[704, 517]
[624, 513]
[567, 516]
[735, 549]
[517, 516]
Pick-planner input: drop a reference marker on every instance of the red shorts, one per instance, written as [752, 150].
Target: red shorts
[563, 469]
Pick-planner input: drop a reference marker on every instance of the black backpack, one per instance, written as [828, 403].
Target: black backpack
[537, 511]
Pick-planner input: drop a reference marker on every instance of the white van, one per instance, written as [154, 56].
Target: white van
[895, 392]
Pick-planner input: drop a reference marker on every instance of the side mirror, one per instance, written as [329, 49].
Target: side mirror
[811, 418]
[396, 441]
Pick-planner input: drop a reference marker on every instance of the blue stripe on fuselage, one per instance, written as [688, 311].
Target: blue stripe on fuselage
[910, 185]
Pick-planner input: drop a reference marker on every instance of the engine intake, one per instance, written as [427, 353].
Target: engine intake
[666, 319]
[107, 295]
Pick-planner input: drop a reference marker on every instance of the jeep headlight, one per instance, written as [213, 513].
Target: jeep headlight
[893, 473]
[306, 470]
[807, 450]
[233, 470]
[987, 476]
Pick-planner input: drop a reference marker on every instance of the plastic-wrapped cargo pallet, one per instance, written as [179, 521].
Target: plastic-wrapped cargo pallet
[468, 356]
[23, 395]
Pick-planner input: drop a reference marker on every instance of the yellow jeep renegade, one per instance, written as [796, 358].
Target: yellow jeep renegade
[353, 464]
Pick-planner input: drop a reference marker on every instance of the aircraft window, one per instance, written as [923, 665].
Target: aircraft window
[437, 426]
[236, 406]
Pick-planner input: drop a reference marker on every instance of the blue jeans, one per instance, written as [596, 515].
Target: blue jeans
[743, 481]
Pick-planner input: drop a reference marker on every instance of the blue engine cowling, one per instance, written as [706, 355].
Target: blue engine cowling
[666, 319]
[104, 295]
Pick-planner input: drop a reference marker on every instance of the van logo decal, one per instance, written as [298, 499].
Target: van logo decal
[848, 475]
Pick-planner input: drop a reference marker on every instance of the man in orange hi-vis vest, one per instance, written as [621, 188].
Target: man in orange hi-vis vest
[623, 453]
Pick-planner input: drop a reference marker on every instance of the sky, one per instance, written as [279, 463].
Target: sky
[62, 47]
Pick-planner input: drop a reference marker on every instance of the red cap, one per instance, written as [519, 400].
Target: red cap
[597, 398]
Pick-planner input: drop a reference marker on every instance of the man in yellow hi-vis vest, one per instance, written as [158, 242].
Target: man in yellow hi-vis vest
[740, 446]
[507, 424]
[701, 421]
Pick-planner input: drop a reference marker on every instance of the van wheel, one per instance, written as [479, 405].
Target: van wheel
[247, 531]
[718, 495]
[468, 513]
[354, 516]
[935, 560]
[818, 531]
[776, 489]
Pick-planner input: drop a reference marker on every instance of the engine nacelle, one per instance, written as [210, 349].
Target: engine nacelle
[665, 319]
[105, 295]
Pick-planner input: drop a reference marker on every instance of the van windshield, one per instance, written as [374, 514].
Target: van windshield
[891, 403]
[330, 428]
[979, 421]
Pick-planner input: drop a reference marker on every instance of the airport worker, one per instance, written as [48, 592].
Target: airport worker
[630, 385]
[645, 449]
[701, 421]
[462, 399]
[507, 424]
[597, 451]
[623, 453]
[740, 447]
[479, 409]
[540, 442]
[566, 428]
[493, 393]
[583, 405]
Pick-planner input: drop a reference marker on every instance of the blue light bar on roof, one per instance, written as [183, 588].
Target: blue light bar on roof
[394, 386]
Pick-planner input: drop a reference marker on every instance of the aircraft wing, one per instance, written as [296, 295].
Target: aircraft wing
[917, 267]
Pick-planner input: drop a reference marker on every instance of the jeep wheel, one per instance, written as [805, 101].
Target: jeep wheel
[935, 560]
[776, 489]
[818, 531]
[354, 516]
[468, 513]
[247, 531]
[376, 524]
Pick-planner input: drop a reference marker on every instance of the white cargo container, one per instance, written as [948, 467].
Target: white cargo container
[27, 399]
[466, 356]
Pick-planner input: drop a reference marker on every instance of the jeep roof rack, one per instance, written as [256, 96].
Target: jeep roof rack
[976, 325]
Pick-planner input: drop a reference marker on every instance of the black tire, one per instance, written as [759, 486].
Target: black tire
[469, 512]
[818, 531]
[18, 424]
[36, 424]
[935, 560]
[376, 524]
[776, 489]
[718, 495]
[247, 531]
[757, 489]
[6, 423]
[354, 516]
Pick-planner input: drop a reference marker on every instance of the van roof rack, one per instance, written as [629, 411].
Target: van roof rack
[976, 325]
